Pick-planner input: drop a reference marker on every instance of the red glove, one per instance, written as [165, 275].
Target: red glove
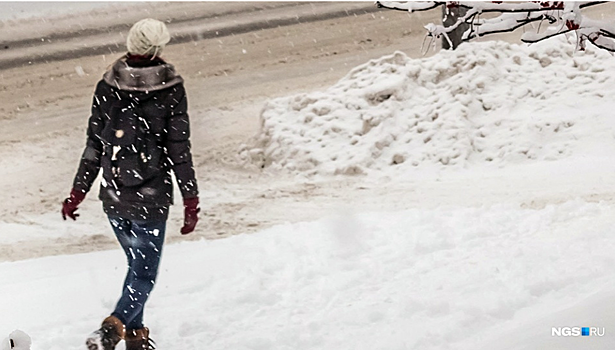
[190, 214]
[69, 206]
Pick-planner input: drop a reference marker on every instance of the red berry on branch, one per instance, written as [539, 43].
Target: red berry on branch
[572, 25]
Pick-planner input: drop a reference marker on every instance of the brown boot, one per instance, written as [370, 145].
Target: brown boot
[138, 339]
[110, 333]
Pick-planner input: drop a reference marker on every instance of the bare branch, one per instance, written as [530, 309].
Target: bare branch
[483, 6]
[410, 6]
[563, 15]
[531, 38]
[603, 43]
[514, 24]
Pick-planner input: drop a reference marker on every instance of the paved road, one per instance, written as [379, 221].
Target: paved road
[51, 39]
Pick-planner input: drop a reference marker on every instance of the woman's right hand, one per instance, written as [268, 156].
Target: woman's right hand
[191, 216]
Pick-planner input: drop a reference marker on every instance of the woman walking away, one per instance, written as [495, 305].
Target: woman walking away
[138, 133]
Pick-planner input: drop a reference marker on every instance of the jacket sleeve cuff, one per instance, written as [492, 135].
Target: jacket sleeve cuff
[77, 195]
[191, 202]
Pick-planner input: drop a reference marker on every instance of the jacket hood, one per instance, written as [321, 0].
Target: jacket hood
[125, 77]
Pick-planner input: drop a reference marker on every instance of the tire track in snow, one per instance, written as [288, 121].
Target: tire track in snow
[91, 42]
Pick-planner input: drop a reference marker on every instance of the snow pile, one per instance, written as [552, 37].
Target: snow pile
[490, 102]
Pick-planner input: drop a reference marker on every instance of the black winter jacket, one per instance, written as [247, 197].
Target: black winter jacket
[156, 95]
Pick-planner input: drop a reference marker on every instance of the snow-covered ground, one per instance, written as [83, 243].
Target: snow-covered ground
[448, 278]
[472, 210]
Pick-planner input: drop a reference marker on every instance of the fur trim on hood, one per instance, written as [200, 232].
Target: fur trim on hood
[125, 77]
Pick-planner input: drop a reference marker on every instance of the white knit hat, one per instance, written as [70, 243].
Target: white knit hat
[147, 37]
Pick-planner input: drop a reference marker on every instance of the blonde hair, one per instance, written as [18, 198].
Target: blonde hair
[147, 37]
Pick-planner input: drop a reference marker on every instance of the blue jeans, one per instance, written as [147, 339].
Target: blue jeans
[142, 242]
